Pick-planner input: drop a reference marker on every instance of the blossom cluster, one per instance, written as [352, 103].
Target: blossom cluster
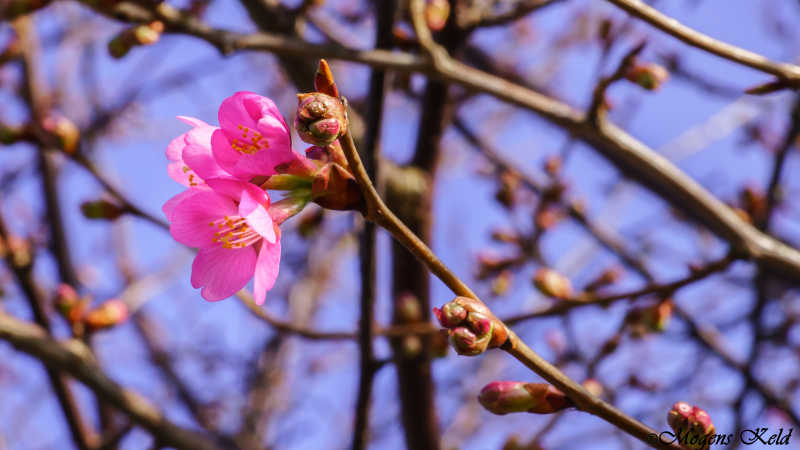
[225, 211]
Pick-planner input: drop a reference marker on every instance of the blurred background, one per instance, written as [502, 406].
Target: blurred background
[498, 192]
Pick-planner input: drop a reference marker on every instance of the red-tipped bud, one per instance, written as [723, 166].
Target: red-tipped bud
[101, 210]
[503, 397]
[692, 423]
[323, 80]
[548, 217]
[467, 343]
[333, 187]
[436, 14]
[649, 76]
[473, 327]
[553, 284]
[64, 130]
[320, 119]
[107, 315]
[451, 314]
[651, 319]
[69, 304]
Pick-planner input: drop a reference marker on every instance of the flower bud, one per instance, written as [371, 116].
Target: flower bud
[467, 343]
[649, 76]
[502, 283]
[101, 210]
[609, 276]
[593, 386]
[436, 14]
[553, 284]
[320, 119]
[69, 304]
[451, 314]
[407, 308]
[145, 34]
[110, 313]
[503, 397]
[19, 250]
[651, 319]
[694, 422]
[333, 187]
[64, 130]
[473, 327]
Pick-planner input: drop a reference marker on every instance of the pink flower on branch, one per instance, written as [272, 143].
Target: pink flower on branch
[231, 224]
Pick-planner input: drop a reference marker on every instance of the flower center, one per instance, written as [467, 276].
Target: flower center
[250, 142]
[233, 232]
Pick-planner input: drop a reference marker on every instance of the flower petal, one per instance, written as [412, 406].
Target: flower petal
[256, 136]
[266, 271]
[191, 218]
[222, 271]
[252, 208]
[169, 205]
[191, 121]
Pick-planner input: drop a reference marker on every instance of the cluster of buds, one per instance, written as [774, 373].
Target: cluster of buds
[64, 130]
[75, 309]
[101, 210]
[320, 119]
[649, 75]
[553, 284]
[503, 397]
[650, 319]
[472, 327]
[692, 424]
[145, 34]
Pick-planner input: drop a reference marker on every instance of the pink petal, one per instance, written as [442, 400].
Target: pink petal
[169, 205]
[202, 162]
[177, 171]
[229, 187]
[191, 121]
[175, 148]
[252, 208]
[266, 271]
[222, 271]
[241, 116]
[191, 218]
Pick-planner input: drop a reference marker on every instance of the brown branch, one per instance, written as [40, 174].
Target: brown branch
[74, 358]
[597, 108]
[519, 10]
[662, 289]
[380, 214]
[637, 8]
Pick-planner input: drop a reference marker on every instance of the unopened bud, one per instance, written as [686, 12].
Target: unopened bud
[436, 13]
[593, 386]
[19, 250]
[609, 276]
[407, 308]
[101, 210]
[69, 304]
[507, 236]
[110, 313]
[473, 327]
[64, 130]
[548, 217]
[651, 319]
[649, 76]
[552, 165]
[693, 423]
[506, 194]
[333, 187]
[145, 34]
[502, 283]
[451, 314]
[320, 119]
[503, 397]
[553, 284]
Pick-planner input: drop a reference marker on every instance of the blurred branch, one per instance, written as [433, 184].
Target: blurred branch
[661, 289]
[520, 9]
[597, 106]
[773, 186]
[784, 71]
[74, 358]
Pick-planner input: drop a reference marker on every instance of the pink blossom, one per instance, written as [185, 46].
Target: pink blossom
[253, 139]
[231, 224]
[190, 155]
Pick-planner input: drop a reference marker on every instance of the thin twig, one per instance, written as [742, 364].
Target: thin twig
[638, 8]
